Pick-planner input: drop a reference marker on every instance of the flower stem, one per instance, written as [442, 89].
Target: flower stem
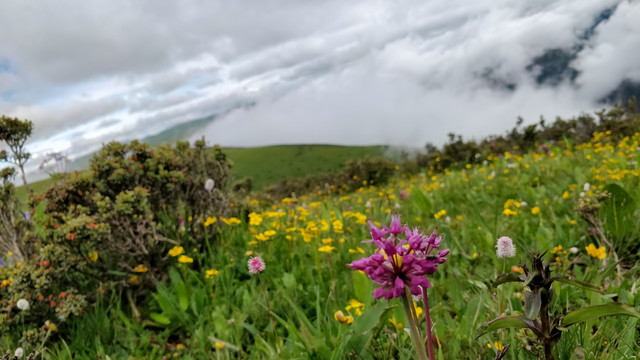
[413, 329]
[273, 323]
[427, 317]
[504, 269]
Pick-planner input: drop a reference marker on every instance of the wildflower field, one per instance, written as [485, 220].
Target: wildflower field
[285, 279]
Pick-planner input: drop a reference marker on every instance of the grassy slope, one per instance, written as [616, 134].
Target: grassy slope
[270, 164]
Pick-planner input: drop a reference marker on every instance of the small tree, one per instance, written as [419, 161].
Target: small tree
[10, 228]
[15, 133]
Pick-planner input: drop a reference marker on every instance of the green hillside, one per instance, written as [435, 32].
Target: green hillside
[270, 164]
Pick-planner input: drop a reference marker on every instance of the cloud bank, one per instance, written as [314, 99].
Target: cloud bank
[398, 72]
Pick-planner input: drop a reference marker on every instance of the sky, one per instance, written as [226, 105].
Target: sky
[397, 72]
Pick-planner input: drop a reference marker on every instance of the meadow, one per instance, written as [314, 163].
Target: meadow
[307, 304]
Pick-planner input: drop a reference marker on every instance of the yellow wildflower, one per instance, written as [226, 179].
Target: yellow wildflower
[134, 280]
[327, 241]
[395, 323]
[262, 237]
[599, 253]
[140, 269]
[497, 345]
[219, 345]
[556, 249]
[565, 195]
[341, 317]
[210, 220]
[355, 305]
[255, 219]
[418, 310]
[509, 212]
[185, 259]
[440, 214]
[356, 250]
[177, 250]
[231, 221]
[211, 273]
[327, 248]
[535, 210]
[93, 256]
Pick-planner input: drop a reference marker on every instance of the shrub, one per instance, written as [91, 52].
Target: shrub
[353, 175]
[99, 228]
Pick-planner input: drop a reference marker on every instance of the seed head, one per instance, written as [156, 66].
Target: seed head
[505, 248]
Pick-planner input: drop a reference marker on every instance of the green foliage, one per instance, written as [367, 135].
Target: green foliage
[15, 132]
[100, 229]
[547, 327]
[353, 175]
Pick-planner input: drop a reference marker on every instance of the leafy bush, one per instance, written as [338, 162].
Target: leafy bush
[100, 229]
[353, 175]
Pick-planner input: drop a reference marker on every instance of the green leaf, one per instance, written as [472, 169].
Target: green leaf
[160, 318]
[505, 278]
[532, 303]
[180, 288]
[478, 283]
[598, 311]
[505, 322]
[362, 287]
[361, 331]
[421, 201]
[581, 284]
[616, 208]
[289, 281]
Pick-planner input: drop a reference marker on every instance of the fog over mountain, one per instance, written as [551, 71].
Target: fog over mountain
[353, 72]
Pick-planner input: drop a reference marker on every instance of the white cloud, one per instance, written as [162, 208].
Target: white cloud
[350, 72]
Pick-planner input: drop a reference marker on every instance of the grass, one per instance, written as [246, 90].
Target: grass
[37, 187]
[225, 316]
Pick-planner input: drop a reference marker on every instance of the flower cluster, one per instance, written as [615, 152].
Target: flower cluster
[599, 253]
[505, 248]
[401, 262]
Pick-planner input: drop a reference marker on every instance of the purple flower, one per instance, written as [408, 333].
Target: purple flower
[396, 227]
[401, 262]
[256, 265]
[1, 262]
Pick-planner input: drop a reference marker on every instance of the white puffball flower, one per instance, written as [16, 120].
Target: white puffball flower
[208, 185]
[574, 250]
[587, 187]
[19, 353]
[23, 304]
[523, 204]
[505, 248]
